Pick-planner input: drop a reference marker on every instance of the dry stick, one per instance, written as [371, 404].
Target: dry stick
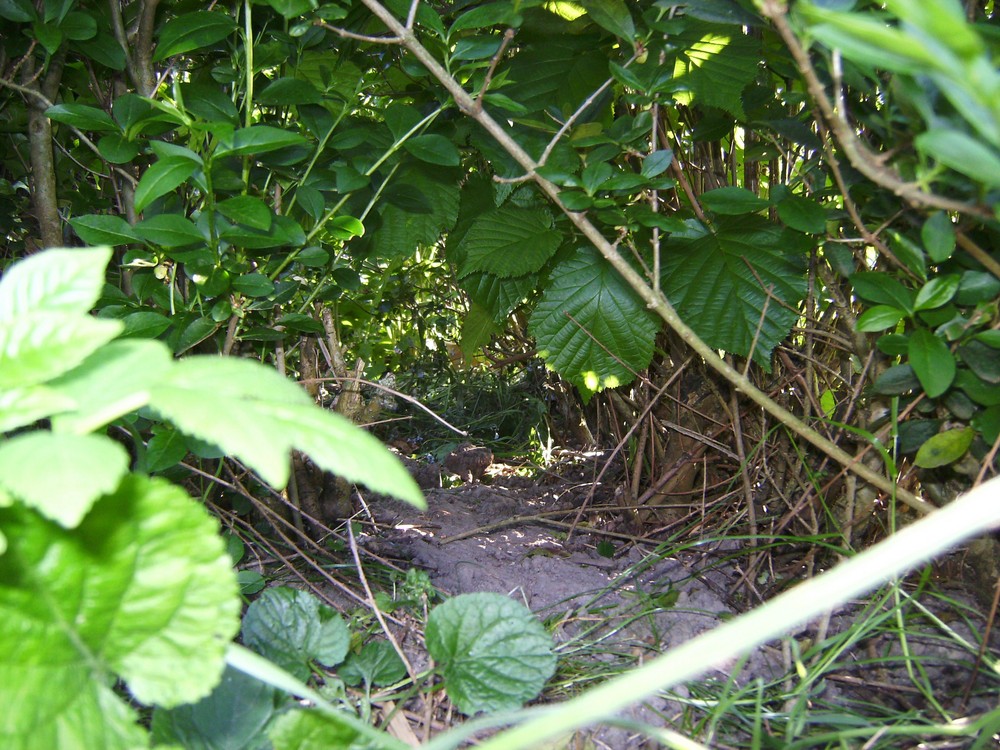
[656, 302]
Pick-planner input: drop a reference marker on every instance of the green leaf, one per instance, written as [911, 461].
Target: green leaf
[115, 380]
[587, 302]
[500, 296]
[882, 288]
[104, 229]
[733, 201]
[49, 36]
[404, 230]
[165, 449]
[802, 214]
[932, 361]
[117, 149]
[945, 448]
[938, 236]
[245, 209]
[169, 231]
[20, 407]
[295, 730]
[657, 162]
[490, 14]
[293, 628]
[292, 8]
[18, 11]
[879, 318]
[509, 241]
[57, 280]
[896, 381]
[720, 284]
[961, 152]
[988, 424]
[83, 117]
[79, 27]
[477, 330]
[937, 292]
[376, 664]
[613, 16]
[253, 285]
[161, 178]
[105, 50]
[252, 412]
[433, 149]
[717, 67]
[976, 287]
[982, 359]
[288, 92]
[258, 139]
[909, 253]
[233, 716]
[190, 31]
[142, 589]
[493, 653]
[40, 346]
[61, 476]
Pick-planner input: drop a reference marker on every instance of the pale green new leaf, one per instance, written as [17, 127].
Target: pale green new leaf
[945, 448]
[61, 476]
[961, 152]
[142, 589]
[255, 414]
[720, 284]
[23, 406]
[295, 730]
[509, 241]
[39, 346]
[58, 280]
[115, 380]
[590, 326]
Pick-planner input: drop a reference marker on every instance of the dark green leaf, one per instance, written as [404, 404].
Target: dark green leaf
[434, 149]
[938, 236]
[988, 423]
[117, 149]
[293, 8]
[169, 231]
[144, 324]
[717, 67]
[802, 214]
[489, 14]
[657, 163]
[82, 116]
[882, 288]
[732, 201]
[253, 285]
[982, 393]
[232, 717]
[289, 91]
[493, 653]
[161, 178]
[721, 284]
[245, 209]
[165, 449]
[982, 359]
[293, 628]
[376, 664]
[79, 27]
[510, 241]
[49, 36]
[613, 16]
[915, 432]
[932, 362]
[976, 287]
[587, 302]
[101, 229]
[896, 381]
[258, 139]
[18, 11]
[104, 49]
[190, 31]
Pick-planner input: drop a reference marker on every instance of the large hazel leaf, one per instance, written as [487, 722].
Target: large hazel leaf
[403, 230]
[142, 590]
[58, 280]
[61, 476]
[719, 282]
[509, 241]
[255, 414]
[717, 67]
[590, 326]
[494, 654]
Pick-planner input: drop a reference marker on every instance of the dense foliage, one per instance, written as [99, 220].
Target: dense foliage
[429, 184]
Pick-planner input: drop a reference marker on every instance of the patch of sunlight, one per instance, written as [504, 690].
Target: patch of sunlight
[569, 11]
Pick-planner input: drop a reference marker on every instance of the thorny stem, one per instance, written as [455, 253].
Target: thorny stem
[655, 301]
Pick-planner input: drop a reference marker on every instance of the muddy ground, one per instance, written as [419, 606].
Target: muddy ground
[628, 602]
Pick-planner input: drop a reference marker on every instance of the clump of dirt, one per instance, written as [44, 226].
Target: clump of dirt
[509, 535]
